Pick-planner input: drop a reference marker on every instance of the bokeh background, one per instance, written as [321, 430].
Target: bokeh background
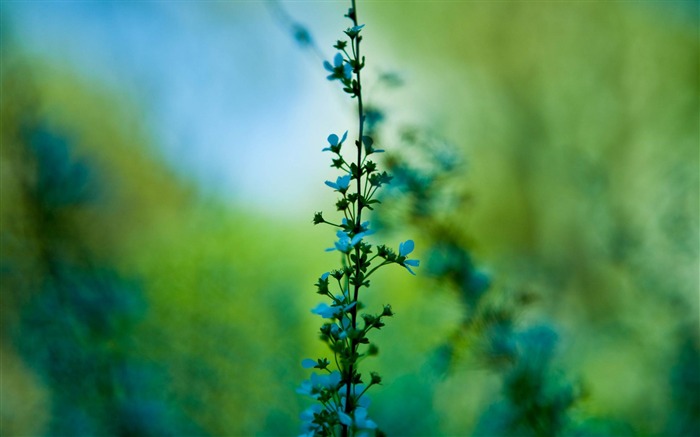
[160, 166]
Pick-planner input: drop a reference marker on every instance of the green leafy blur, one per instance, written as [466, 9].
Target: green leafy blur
[134, 305]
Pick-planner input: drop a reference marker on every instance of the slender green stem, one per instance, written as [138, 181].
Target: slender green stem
[367, 275]
[349, 401]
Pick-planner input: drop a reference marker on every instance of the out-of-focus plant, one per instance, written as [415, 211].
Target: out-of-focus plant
[428, 195]
[341, 392]
[108, 267]
[72, 314]
[586, 194]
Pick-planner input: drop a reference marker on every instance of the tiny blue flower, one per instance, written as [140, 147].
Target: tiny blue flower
[365, 227]
[330, 312]
[331, 380]
[345, 243]
[309, 428]
[356, 239]
[308, 363]
[308, 389]
[337, 62]
[325, 276]
[325, 311]
[362, 421]
[308, 414]
[406, 248]
[313, 386]
[363, 402]
[412, 263]
[342, 332]
[344, 419]
[347, 71]
[340, 184]
[334, 141]
[354, 31]
[340, 69]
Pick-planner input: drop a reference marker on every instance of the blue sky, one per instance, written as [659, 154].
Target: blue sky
[230, 98]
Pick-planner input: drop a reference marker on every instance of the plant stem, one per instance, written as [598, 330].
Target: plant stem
[358, 220]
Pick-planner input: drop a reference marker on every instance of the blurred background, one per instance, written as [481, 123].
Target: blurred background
[161, 163]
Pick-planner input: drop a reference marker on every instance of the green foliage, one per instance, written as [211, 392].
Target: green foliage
[127, 303]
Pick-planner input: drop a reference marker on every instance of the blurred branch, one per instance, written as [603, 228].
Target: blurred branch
[299, 32]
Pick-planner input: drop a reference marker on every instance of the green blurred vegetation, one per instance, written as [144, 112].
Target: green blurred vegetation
[580, 123]
[87, 207]
[133, 306]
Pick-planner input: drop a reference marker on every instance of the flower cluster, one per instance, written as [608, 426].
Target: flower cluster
[341, 390]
